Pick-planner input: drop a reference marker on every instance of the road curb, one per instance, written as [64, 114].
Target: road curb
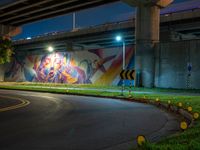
[188, 117]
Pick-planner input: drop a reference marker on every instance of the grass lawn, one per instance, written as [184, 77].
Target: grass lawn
[187, 140]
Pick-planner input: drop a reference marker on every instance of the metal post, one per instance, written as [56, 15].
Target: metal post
[124, 55]
[74, 21]
[130, 88]
[123, 65]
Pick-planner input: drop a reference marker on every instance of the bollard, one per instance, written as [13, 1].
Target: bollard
[130, 87]
[169, 104]
[157, 101]
[179, 106]
[122, 87]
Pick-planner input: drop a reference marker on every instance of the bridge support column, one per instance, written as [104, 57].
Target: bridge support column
[147, 35]
[9, 30]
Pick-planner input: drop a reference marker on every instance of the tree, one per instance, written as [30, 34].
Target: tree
[6, 50]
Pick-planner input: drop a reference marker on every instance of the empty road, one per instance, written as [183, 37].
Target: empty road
[44, 121]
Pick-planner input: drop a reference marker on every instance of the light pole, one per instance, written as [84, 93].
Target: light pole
[124, 55]
[74, 21]
[119, 39]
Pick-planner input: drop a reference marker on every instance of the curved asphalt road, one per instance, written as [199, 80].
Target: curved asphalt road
[64, 122]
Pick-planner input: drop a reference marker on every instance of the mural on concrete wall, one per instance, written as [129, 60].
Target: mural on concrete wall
[92, 66]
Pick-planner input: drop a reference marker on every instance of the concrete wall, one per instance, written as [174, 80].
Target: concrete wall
[103, 66]
[172, 61]
[97, 66]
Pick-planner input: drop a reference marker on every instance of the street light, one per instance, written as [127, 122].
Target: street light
[119, 39]
[50, 49]
[74, 21]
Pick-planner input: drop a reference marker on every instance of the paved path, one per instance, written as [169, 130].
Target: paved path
[64, 122]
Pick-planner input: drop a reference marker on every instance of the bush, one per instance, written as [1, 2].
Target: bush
[6, 50]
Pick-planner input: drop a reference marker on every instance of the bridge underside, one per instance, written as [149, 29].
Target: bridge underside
[147, 24]
[83, 39]
[25, 11]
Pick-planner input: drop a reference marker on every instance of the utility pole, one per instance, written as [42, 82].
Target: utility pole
[74, 21]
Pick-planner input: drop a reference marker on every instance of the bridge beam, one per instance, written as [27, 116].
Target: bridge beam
[139, 3]
[9, 30]
[147, 35]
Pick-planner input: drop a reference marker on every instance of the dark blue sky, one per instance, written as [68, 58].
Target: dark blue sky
[99, 15]
[84, 18]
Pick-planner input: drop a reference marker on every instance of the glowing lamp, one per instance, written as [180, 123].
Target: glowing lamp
[141, 140]
[157, 99]
[189, 108]
[50, 49]
[183, 125]
[196, 115]
[118, 38]
[180, 104]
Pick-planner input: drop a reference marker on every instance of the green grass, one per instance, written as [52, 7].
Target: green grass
[56, 85]
[94, 86]
[187, 140]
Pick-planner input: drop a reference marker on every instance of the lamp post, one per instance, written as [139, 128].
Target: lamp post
[119, 39]
[124, 55]
[74, 21]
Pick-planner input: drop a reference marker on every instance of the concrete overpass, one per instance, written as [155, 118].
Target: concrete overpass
[174, 26]
[25, 11]
[147, 25]
[20, 12]
[183, 25]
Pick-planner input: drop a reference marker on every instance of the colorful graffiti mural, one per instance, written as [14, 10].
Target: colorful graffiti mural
[59, 68]
[92, 66]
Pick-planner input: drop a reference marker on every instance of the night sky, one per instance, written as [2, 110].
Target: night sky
[94, 16]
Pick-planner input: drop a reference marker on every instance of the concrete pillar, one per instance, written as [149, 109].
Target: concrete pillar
[147, 35]
[9, 30]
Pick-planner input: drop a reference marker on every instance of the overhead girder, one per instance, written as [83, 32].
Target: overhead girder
[159, 3]
[26, 11]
